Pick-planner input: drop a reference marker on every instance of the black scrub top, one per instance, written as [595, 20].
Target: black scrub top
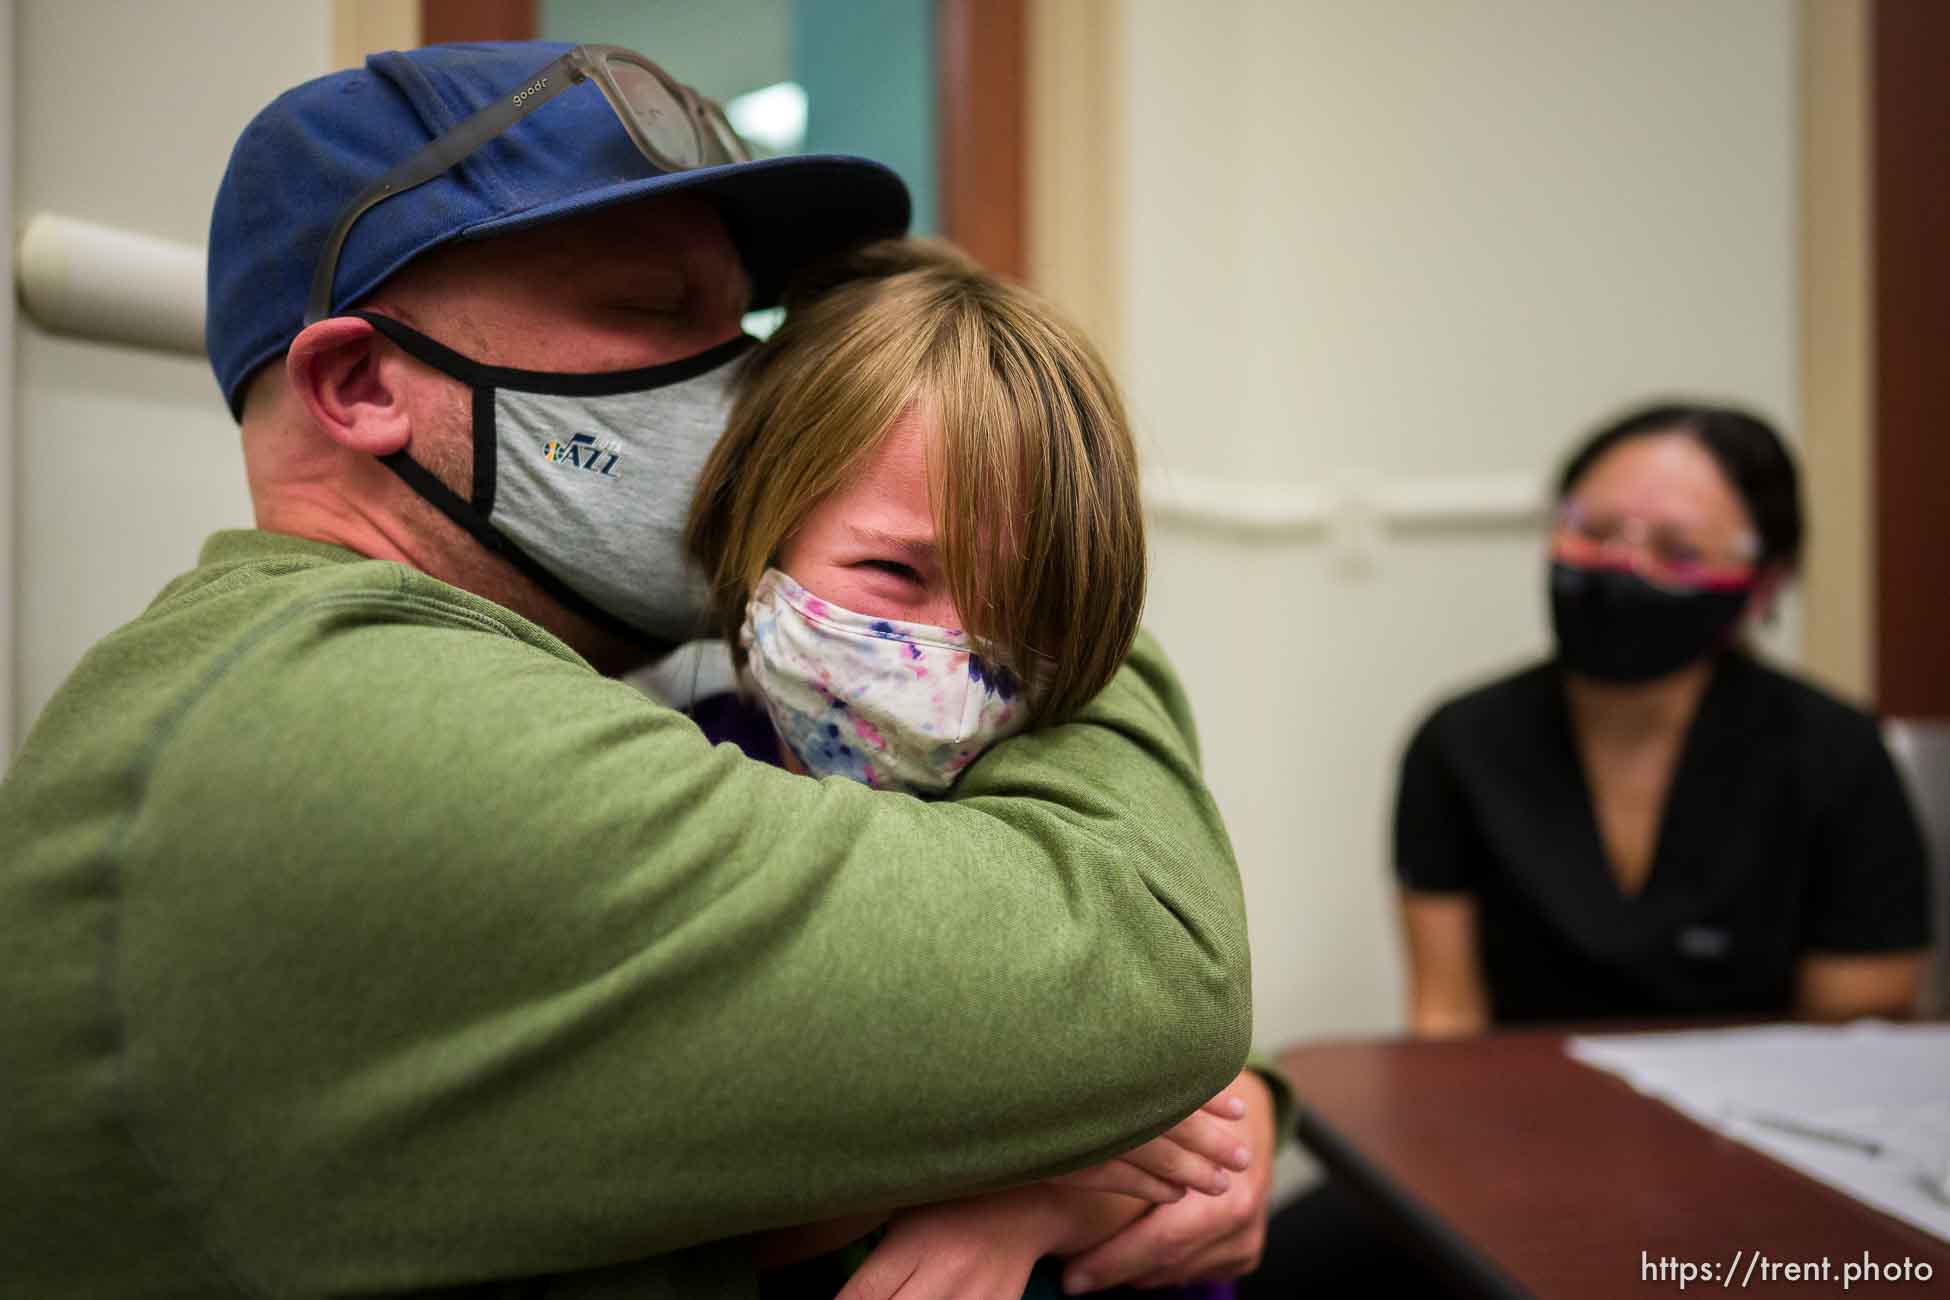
[1786, 831]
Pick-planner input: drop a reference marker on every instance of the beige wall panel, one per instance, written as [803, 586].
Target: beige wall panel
[1836, 330]
[362, 27]
[1075, 117]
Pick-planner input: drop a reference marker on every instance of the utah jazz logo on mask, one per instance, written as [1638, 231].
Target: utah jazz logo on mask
[582, 452]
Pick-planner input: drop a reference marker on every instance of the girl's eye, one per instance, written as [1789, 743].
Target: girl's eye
[893, 568]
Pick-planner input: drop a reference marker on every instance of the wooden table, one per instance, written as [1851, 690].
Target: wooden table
[1518, 1171]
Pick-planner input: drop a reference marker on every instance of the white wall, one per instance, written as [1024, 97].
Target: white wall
[124, 113]
[1415, 239]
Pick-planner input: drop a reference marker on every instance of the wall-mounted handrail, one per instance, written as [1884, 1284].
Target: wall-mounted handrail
[97, 282]
[1306, 508]
[1351, 513]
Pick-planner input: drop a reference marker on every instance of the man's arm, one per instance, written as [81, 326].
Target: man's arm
[503, 963]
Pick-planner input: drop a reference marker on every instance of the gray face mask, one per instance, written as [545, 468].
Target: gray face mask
[584, 481]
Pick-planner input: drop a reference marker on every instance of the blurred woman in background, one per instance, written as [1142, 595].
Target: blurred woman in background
[1652, 823]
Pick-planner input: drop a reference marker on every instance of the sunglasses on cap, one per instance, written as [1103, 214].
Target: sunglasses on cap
[672, 126]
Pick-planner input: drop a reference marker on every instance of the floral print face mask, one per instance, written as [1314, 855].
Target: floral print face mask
[900, 706]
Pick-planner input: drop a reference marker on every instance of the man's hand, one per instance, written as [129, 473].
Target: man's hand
[981, 1248]
[1193, 1156]
[1199, 1238]
[986, 1245]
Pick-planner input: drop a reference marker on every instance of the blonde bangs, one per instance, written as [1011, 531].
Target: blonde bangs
[1037, 508]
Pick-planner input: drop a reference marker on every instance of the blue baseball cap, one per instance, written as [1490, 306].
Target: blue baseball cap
[317, 146]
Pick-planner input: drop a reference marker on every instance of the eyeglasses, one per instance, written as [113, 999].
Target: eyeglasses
[672, 125]
[1660, 553]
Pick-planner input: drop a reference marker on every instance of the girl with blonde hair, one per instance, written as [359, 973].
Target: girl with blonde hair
[922, 527]
[922, 532]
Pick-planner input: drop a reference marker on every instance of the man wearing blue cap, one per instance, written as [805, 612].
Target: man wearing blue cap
[362, 937]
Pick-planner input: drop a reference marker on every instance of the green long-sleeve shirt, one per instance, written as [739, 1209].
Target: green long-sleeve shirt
[357, 938]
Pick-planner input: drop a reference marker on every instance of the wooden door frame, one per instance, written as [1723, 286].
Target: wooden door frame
[1910, 200]
[981, 162]
[442, 21]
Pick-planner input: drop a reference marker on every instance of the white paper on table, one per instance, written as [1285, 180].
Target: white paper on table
[1888, 1084]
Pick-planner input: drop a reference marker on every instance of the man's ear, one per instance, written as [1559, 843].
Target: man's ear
[350, 384]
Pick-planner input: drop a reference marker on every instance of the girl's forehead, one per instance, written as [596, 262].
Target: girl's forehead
[889, 487]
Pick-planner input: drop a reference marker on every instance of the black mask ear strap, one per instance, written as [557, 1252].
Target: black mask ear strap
[475, 521]
[478, 378]
[473, 516]
[595, 383]
[449, 502]
[431, 351]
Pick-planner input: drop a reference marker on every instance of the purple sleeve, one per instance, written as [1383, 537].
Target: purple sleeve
[730, 718]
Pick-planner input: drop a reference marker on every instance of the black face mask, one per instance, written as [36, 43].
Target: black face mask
[1617, 627]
